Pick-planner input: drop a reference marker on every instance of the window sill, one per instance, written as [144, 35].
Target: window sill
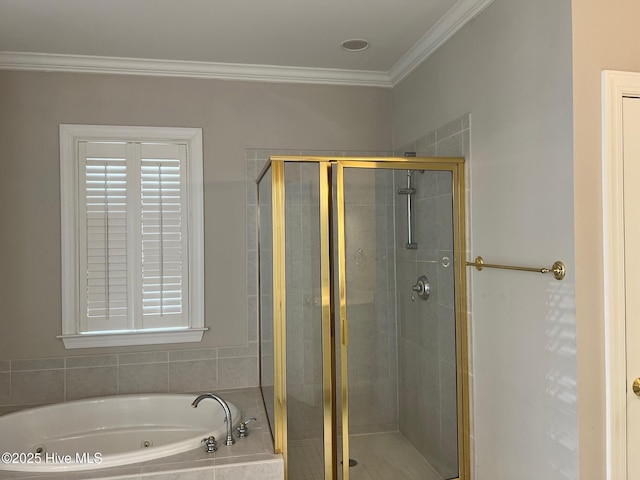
[109, 339]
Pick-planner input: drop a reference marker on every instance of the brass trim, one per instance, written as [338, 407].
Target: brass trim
[462, 326]
[279, 309]
[558, 269]
[423, 161]
[342, 289]
[328, 314]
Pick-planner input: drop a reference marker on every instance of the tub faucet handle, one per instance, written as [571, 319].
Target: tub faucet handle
[210, 444]
[243, 431]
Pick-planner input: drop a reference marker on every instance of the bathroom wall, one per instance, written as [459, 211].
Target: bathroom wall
[234, 116]
[427, 330]
[613, 45]
[511, 69]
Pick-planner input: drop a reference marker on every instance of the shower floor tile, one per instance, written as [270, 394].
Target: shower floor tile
[381, 456]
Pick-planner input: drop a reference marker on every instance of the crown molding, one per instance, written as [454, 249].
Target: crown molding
[449, 24]
[170, 68]
[462, 12]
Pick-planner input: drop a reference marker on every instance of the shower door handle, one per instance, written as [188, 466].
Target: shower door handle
[344, 331]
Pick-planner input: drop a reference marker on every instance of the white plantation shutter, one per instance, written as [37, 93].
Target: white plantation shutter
[164, 234]
[132, 235]
[103, 236]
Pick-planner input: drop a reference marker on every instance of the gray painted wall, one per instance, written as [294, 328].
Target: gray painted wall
[234, 116]
[511, 69]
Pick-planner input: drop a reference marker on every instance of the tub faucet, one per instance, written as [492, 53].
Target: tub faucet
[227, 414]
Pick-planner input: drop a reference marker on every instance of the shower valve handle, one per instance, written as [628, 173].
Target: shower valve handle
[421, 288]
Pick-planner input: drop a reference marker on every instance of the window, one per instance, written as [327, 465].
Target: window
[132, 235]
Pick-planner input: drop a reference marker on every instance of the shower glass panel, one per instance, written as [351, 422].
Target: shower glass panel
[362, 366]
[304, 380]
[402, 377]
[265, 276]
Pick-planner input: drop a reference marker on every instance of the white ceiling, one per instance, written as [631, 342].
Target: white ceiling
[250, 38]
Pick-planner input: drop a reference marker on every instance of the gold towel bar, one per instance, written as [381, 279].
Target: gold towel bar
[559, 270]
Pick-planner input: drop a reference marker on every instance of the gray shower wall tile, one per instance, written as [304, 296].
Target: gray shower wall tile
[310, 185]
[252, 318]
[142, 357]
[267, 470]
[425, 142]
[313, 359]
[407, 318]
[193, 354]
[448, 391]
[88, 376]
[445, 281]
[193, 376]
[252, 228]
[409, 147]
[91, 361]
[143, 378]
[252, 192]
[432, 337]
[5, 388]
[429, 437]
[425, 184]
[370, 405]
[251, 154]
[252, 279]
[450, 147]
[427, 254]
[361, 266]
[37, 364]
[426, 151]
[449, 129]
[408, 418]
[310, 218]
[444, 183]
[443, 221]
[37, 387]
[91, 382]
[5, 365]
[408, 363]
[364, 216]
[447, 334]
[238, 372]
[448, 448]
[249, 350]
[428, 326]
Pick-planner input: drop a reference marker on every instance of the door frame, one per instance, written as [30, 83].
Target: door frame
[615, 86]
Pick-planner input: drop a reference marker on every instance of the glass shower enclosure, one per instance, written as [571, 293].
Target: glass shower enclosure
[363, 347]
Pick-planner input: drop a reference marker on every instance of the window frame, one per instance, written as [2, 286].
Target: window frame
[70, 136]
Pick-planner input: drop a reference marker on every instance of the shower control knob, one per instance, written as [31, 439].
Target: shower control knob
[421, 288]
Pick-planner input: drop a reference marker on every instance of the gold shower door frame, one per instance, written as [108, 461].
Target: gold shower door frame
[454, 165]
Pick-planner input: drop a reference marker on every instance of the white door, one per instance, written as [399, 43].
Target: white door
[631, 156]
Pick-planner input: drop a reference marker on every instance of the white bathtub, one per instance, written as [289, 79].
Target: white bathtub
[108, 431]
